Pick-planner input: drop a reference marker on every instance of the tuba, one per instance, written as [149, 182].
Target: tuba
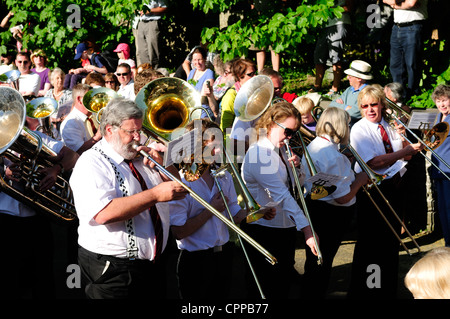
[20, 145]
[42, 109]
[254, 98]
[167, 104]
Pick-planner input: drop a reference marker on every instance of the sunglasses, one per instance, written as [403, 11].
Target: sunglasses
[110, 82]
[287, 131]
[365, 106]
[251, 74]
[20, 62]
[122, 74]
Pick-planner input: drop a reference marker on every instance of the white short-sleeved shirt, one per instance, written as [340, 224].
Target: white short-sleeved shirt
[127, 91]
[266, 178]
[95, 185]
[365, 137]
[11, 206]
[327, 159]
[30, 83]
[73, 130]
[214, 232]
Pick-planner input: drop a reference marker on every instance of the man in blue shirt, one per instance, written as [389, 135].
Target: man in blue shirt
[357, 74]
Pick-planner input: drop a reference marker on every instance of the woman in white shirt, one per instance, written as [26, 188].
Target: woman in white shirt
[267, 178]
[332, 214]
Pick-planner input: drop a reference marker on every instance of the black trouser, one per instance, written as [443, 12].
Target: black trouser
[26, 265]
[330, 223]
[205, 274]
[275, 280]
[376, 255]
[107, 277]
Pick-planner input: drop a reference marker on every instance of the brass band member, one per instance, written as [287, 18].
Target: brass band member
[384, 150]
[206, 255]
[29, 275]
[331, 215]
[116, 195]
[266, 173]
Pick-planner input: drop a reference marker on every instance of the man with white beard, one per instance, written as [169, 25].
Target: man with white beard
[116, 195]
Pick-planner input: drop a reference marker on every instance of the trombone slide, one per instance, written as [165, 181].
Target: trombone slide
[302, 199]
[219, 215]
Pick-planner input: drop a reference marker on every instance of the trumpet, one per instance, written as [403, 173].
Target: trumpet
[302, 199]
[205, 204]
[375, 180]
[435, 137]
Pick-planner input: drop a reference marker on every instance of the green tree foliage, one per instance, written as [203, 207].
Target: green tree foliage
[281, 25]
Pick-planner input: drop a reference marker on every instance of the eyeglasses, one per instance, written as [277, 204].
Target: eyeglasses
[287, 131]
[251, 74]
[131, 132]
[365, 106]
[122, 74]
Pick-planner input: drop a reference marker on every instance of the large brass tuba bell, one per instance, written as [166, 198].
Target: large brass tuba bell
[20, 145]
[254, 97]
[167, 103]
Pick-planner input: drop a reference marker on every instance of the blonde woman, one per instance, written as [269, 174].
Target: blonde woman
[331, 214]
[429, 278]
[60, 94]
[39, 60]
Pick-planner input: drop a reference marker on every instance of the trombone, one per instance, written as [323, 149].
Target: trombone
[375, 180]
[205, 204]
[168, 104]
[438, 132]
[302, 199]
[216, 174]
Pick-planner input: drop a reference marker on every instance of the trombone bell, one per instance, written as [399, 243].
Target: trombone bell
[437, 135]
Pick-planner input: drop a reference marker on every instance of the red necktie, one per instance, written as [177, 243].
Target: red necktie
[153, 213]
[94, 129]
[386, 142]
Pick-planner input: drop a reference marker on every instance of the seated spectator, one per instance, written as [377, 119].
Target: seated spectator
[185, 68]
[305, 106]
[95, 80]
[29, 82]
[111, 81]
[60, 94]
[91, 62]
[7, 62]
[126, 88]
[358, 74]
[39, 60]
[123, 52]
[144, 77]
[144, 66]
